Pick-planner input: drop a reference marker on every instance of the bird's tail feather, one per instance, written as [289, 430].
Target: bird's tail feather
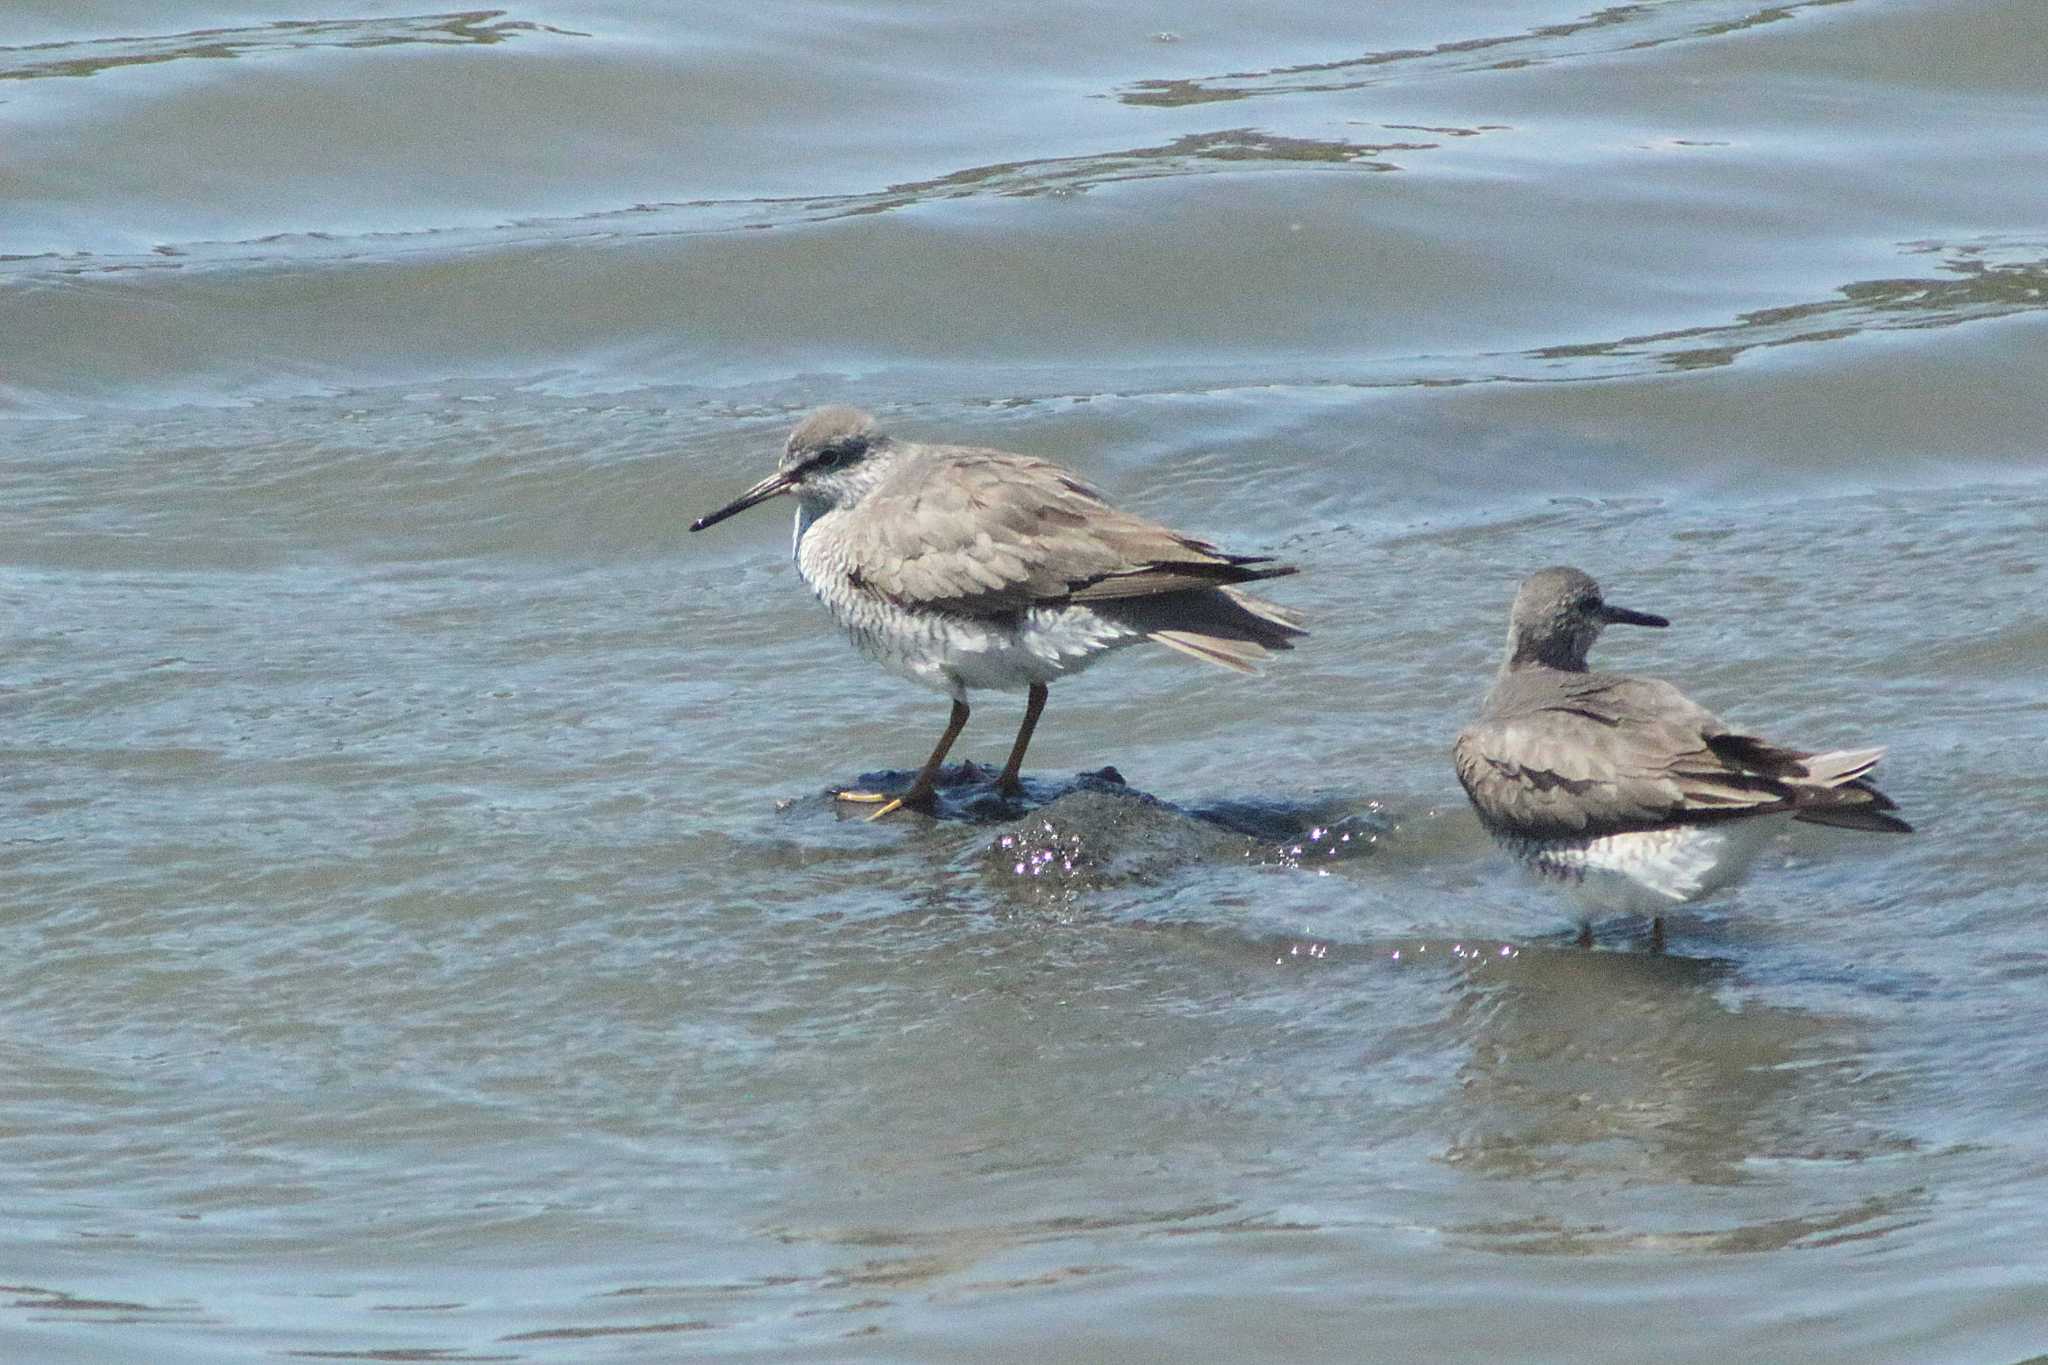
[1840, 766]
[1838, 795]
[1221, 626]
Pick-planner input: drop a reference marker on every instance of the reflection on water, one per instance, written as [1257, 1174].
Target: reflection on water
[1630, 1052]
[1548, 1236]
[1617, 1072]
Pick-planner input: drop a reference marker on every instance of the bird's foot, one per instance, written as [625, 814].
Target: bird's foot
[923, 804]
[923, 800]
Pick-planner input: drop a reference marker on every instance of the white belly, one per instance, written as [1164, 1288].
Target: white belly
[1649, 871]
[1039, 646]
[955, 652]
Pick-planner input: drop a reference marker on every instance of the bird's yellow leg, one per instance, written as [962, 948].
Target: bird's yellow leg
[922, 789]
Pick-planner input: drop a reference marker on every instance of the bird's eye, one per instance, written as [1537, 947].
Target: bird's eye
[1589, 605]
[831, 457]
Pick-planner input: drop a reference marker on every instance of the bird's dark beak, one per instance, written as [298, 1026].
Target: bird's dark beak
[781, 481]
[1622, 616]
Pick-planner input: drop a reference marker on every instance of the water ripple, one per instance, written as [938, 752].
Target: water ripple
[1617, 28]
[1232, 150]
[1985, 280]
[97, 56]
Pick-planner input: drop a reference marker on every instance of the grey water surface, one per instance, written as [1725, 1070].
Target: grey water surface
[423, 936]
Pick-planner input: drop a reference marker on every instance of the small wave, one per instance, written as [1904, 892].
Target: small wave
[1980, 281]
[1233, 150]
[99, 56]
[1617, 28]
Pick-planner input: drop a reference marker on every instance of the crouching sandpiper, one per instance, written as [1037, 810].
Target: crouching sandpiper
[1624, 787]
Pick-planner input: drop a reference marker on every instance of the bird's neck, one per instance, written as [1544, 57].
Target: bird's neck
[1529, 655]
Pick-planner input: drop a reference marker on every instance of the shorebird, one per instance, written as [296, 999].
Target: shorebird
[1624, 787]
[963, 568]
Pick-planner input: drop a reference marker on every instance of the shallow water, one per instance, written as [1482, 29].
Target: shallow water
[425, 934]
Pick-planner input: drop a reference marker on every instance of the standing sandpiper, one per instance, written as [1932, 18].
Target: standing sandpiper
[964, 568]
[1624, 787]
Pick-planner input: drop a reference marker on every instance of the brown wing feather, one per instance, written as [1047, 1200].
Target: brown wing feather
[1562, 774]
[985, 531]
[1603, 754]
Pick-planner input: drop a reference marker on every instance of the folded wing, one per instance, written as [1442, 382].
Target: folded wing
[1000, 532]
[1613, 754]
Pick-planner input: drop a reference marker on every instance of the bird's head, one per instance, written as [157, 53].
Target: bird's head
[1558, 614]
[826, 462]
